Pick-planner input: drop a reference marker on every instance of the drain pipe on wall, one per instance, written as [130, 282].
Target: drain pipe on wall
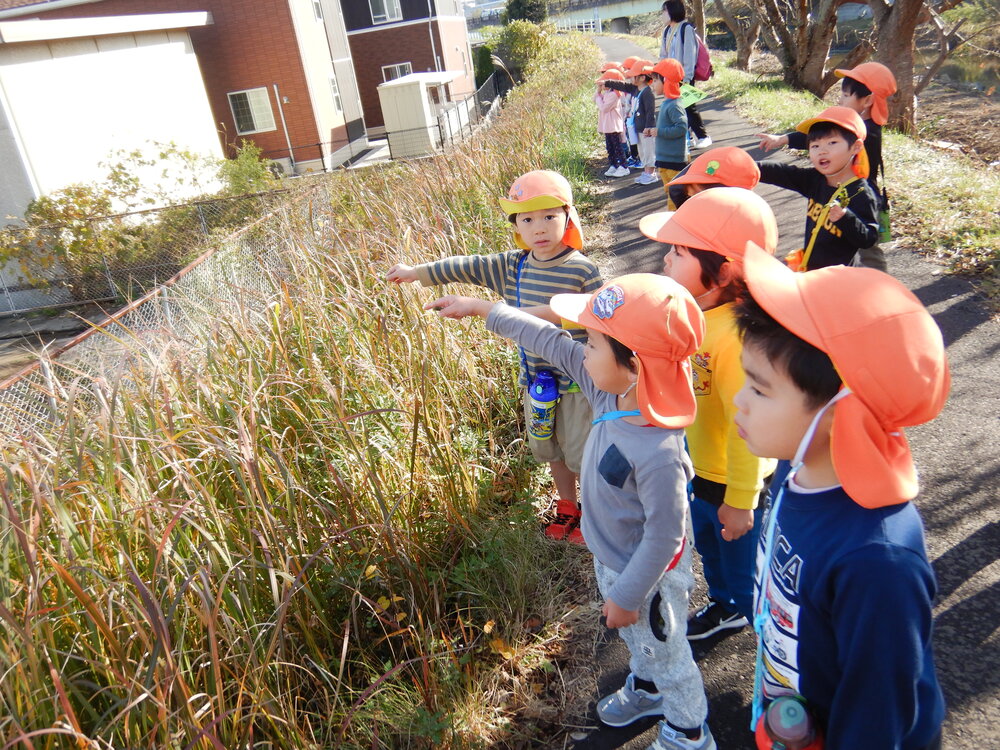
[430, 32]
[284, 127]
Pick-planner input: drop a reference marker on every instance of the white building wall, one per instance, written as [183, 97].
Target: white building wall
[318, 66]
[72, 103]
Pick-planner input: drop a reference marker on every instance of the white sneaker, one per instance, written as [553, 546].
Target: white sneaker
[622, 172]
[647, 179]
[612, 171]
[703, 142]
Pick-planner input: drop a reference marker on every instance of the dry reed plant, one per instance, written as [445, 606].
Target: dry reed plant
[305, 522]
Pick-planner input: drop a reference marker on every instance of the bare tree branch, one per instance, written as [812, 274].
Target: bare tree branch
[861, 52]
[945, 47]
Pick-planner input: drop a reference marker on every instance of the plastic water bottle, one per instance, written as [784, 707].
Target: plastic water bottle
[787, 725]
[544, 392]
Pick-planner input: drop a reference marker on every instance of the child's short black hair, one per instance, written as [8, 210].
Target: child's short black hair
[623, 354]
[825, 129]
[853, 87]
[810, 369]
[657, 76]
[643, 75]
[711, 275]
[676, 10]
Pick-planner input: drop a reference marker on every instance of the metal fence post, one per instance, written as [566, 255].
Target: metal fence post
[6, 291]
[112, 292]
[201, 218]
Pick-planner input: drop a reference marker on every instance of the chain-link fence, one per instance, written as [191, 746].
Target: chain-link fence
[114, 258]
[237, 272]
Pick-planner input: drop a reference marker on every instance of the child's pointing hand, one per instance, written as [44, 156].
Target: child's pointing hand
[400, 273]
[456, 307]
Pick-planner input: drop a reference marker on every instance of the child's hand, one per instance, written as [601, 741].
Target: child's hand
[400, 273]
[456, 307]
[649, 132]
[735, 521]
[836, 212]
[616, 617]
[771, 142]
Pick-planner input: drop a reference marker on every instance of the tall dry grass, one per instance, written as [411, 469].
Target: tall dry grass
[302, 524]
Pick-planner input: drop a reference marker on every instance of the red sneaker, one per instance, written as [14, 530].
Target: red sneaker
[567, 519]
[576, 536]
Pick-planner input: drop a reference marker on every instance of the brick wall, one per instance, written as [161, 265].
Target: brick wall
[390, 46]
[251, 44]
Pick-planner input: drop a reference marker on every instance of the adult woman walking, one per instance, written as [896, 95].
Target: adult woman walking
[680, 43]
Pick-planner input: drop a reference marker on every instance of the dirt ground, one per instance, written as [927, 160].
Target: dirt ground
[967, 118]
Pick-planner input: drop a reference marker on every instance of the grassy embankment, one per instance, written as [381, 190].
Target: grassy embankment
[943, 204]
[312, 527]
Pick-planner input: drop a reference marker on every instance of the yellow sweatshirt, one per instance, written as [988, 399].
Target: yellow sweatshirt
[717, 451]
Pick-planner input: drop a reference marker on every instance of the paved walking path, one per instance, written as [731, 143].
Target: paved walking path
[958, 456]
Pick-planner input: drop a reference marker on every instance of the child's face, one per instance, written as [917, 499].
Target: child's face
[859, 104]
[831, 155]
[599, 361]
[542, 231]
[657, 85]
[681, 266]
[773, 413]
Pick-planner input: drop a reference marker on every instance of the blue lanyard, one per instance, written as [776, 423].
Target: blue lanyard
[517, 292]
[610, 415]
[762, 611]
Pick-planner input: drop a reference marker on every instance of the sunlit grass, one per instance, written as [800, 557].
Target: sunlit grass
[307, 523]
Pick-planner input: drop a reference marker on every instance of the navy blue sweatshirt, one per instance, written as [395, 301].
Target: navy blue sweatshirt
[850, 591]
[837, 242]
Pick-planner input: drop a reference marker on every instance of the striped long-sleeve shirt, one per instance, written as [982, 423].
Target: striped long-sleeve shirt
[569, 273]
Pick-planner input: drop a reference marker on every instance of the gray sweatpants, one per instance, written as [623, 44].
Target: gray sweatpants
[666, 662]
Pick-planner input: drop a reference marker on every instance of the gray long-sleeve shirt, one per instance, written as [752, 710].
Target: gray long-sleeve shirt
[633, 480]
[683, 47]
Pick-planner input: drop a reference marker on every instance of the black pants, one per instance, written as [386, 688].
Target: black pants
[935, 744]
[694, 122]
[694, 119]
[613, 143]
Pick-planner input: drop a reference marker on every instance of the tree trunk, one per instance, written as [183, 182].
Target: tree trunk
[745, 31]
[746, 41]
[895, 26]
[698, 16]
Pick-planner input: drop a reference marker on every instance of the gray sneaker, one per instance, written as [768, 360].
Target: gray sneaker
[670, 739]
[628, 704]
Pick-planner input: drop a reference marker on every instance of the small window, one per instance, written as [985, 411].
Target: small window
[392, 72]
[318, 9]
[252, 111]
[335, 89]
[384, 11]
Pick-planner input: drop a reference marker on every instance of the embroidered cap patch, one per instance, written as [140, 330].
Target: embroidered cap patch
[713, 167]
[607, 301]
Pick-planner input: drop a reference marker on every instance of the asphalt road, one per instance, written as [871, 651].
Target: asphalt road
[957, 455]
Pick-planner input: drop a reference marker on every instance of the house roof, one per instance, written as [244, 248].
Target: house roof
[35, 30]
[431, 78]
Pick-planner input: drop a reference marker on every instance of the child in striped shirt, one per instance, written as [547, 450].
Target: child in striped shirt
[548, 261]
